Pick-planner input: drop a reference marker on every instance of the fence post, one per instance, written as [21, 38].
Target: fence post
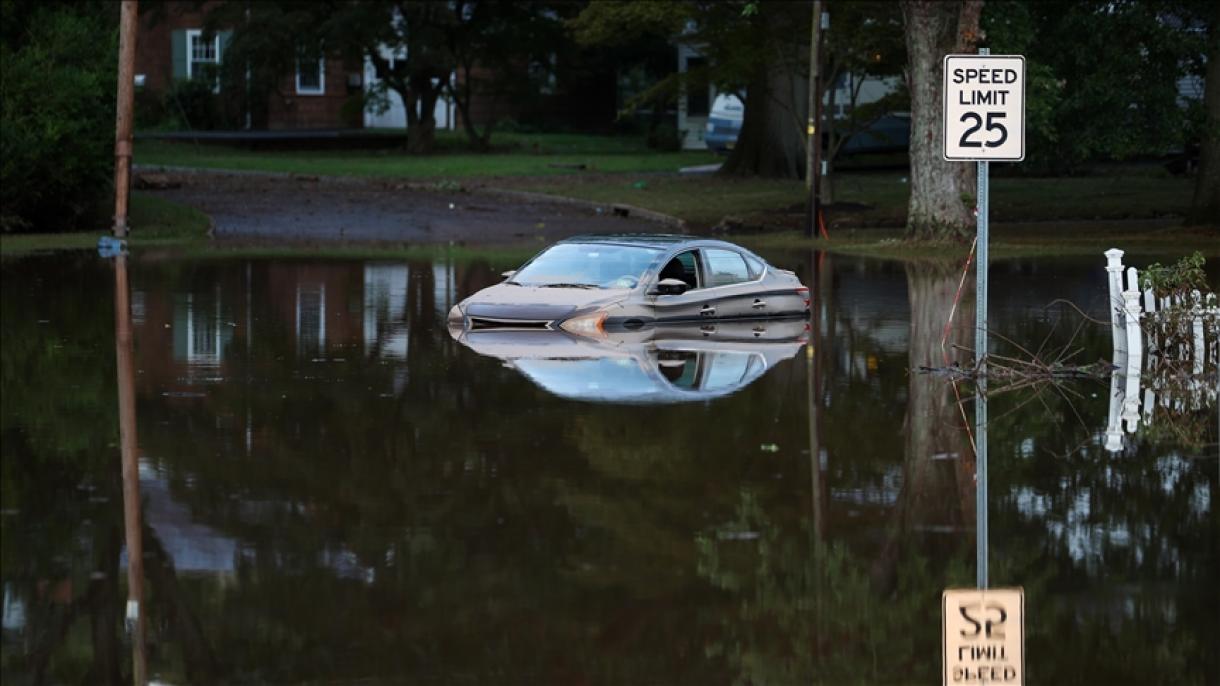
[1131, 317]
[1114, 430]
[1114, 269]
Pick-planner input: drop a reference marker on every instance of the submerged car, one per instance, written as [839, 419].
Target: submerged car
[656, 364]
[589, 285]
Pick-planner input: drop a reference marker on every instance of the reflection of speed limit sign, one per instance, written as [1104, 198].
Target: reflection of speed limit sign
[984, 108]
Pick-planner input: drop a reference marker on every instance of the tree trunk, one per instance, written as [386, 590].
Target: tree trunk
[772, 138]
[463, 94]
[942, 200]
[938, 467]
[421, 134]
[1205, 207]
[769, 143]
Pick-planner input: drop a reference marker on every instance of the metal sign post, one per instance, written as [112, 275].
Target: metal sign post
[980, 382]
[984, 121]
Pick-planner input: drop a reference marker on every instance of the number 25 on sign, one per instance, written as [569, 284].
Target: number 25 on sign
[983, 635]
[984, 108]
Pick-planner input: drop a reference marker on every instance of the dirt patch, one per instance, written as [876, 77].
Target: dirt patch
[263, 206]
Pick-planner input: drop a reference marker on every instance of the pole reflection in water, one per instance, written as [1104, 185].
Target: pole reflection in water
[131, 475]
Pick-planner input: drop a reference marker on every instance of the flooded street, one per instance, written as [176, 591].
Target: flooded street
[335, 490]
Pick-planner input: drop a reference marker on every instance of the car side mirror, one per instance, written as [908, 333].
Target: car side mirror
[671, 287]
[508, 274]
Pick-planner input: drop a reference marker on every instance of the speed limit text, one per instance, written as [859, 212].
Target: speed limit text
[983, 77]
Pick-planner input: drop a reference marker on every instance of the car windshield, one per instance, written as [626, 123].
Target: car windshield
[588, 265]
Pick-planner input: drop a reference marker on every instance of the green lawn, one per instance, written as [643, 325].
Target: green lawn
[1114, 204]
[875, 198]
[620, 169]
[1143, 239]
[154, 222]
[515, 155]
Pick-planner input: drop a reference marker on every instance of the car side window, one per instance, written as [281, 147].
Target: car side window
[755, 266]
[684, 267]
[725, 267]
[725, 369]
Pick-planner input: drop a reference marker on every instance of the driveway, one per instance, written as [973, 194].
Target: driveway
[265, 206]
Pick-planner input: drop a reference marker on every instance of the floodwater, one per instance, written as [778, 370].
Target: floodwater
[334, 490]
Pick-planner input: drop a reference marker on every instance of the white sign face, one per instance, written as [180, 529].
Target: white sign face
[984, 108]
[984, 636]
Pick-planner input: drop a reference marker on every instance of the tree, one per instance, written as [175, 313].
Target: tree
[754, 49]
[865, 41]
[502, 51]
[57, 91]
[415, 48]
[1101, 76]
[1205, 206]
[942, 193]
[769, 56]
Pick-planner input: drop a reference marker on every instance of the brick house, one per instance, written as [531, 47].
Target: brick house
[172, 46]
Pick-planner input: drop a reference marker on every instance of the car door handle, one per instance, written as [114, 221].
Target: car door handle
[707, 311]
[759, 304]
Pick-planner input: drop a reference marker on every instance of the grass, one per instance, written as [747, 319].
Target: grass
[154, 222]
[515, 155]
[619, 169]
[876, 198]
[1146, 239]
[1115, 205]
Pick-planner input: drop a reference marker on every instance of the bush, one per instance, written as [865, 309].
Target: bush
[665, 137]
[56, 114]
[195, 104]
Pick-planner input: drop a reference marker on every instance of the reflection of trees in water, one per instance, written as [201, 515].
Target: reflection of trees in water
[470, 526]
[810, 606]
[938, 492]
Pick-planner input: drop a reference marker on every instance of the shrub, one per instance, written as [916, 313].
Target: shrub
[56, 113]
[665, 137]
[195, 105]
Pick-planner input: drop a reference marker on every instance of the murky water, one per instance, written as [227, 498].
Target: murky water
[334, 490]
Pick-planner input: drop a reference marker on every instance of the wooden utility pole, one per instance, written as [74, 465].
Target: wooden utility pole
[813, 137]
[129, 449]
[124, 114]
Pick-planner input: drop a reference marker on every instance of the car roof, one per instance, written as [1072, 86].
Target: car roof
[663, 241]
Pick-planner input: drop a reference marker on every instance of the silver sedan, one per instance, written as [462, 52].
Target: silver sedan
[592, 284]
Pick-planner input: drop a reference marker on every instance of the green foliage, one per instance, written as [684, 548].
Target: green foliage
[1102, 76]
[1178, 279]
[194, 105]
[665, 137]
[56, 114]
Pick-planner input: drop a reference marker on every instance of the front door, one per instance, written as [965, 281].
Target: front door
[691, 305]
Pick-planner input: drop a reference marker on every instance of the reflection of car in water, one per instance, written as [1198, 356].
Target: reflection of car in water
[593, 284]
[657, 364]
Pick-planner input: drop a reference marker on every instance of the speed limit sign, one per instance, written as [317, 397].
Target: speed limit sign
[984, 108]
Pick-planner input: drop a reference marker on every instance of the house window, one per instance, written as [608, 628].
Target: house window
[203, 57]
[311, 75]
[311, 319]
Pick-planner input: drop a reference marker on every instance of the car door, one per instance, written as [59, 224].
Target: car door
[689, 306]
[731, 289]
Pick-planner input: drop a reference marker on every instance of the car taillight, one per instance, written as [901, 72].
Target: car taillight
[804, 292]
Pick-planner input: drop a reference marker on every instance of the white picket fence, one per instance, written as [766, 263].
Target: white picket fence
[1143, 338]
